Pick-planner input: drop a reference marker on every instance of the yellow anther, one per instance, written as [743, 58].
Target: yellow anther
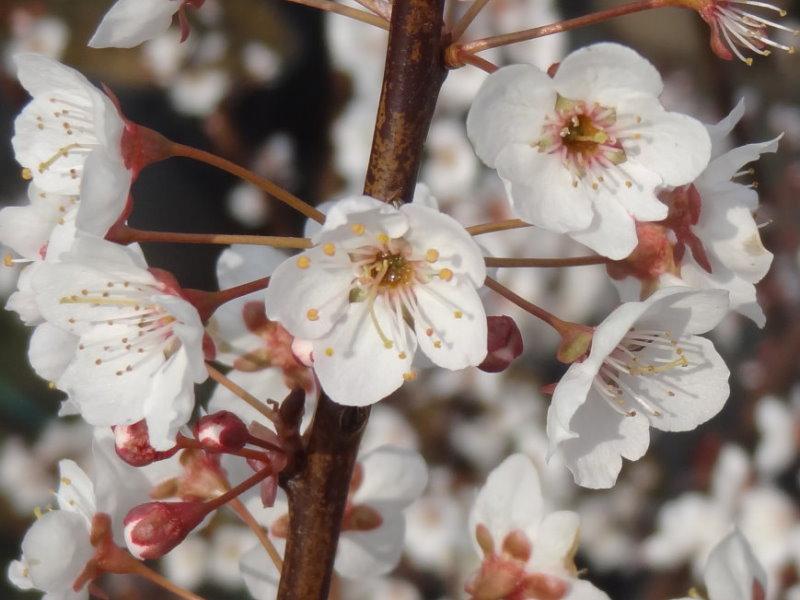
[383, 238]
[388, 343]
[329, 249]
[328, 351]
[303, 262]
[26, 174]
[595, 186]
[445, 274]
[458, 314]
[628, 183]
[429, 331]
[51, 385]
[432, 255]
[8, 260]
[402, 356]
[37, 512]
[409, 375]
[66, 481]
[312, 314]
[358, 228]
[437, 344]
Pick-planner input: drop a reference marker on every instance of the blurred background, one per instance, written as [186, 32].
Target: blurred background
[292, 94]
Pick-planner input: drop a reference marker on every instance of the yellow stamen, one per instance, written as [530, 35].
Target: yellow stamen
[383, 238]
[402, 356]
[437, 344]
[432, 255]
[458, 314]
[43, 166]
[409, 375]
[8, 260]
[26, 174]
[445, 274]
[303, 262]
[312, 314]
[329, 351]
[358, 228]
[329, 249]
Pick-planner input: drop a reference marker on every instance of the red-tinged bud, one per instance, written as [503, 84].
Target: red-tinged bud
[155, 528]
[269, 491]
[504, 344]
[222, 431]
[132, 444]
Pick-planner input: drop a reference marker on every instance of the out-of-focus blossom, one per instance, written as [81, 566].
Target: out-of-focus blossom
[584, 152]
[526, 552]
[646, 368]
[197, 93]
[778, 424]
[40, 34]
[130, 22]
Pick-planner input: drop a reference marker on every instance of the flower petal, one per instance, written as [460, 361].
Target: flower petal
[53, 567]
[362, 554]
[454, 315]
[589, 71]
[393, 478]
[104, 192]
[733, 571]
[130, 22]
[612, 232]
[50, 351]
[347, 359]
[509, 108]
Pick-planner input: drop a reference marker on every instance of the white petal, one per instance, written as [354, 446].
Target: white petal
[724, 167]
[50, 351]
[104, 192]
[455, 313]
[509, 108]
[189, 330]
[53, 567]
[721, 130]
[589, 71]
[556, 542]
[540, 188]
[362, 554]
[681, 310]
[570, 394]
[511, 499]
[604, 438]
[374, 215]
[733, 571]
[699, 391]
[18, 575]
[75, 491]
[584, 590]
[393, 478]
[347, 359]
[612, 232]
[322, 286]
[457, 250]
[640, 198]
[130, 22]
[675, 146]
[170, 401]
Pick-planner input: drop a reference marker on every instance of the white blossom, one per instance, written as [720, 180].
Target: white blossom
[373, 267]
[130, 22]
[584, 152]
[646, 368]
[124, 345]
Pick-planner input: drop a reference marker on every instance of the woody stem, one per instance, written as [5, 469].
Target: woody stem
[247, 518]
[537, 311]
[266, 185]
[584, 21]
[208, 302]
[123, 234]
[575, 261]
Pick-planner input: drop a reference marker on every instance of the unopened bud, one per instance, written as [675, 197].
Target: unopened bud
[222, 431]
[504, 344]
[132, 443]
[155, 528]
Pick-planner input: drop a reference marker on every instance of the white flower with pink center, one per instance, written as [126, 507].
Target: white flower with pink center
[120, 341]
[379, 282]
[646, 368]
[585, 151]
[526, 553]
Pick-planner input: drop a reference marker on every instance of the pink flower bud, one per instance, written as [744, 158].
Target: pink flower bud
[154, 528]
[132, 444]
[222, 431]
[504, 344]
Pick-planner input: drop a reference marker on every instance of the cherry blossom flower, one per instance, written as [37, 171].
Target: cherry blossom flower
[120, 341]
[584, 152]
[68, 133]
[130, 22]
[526, 553]
[733, 571]
[385, 481]
[646, 368]
[736, 30]
[713, 241]
[372, 268]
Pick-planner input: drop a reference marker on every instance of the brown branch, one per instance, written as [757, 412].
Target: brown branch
[574, 261]
[317, 485]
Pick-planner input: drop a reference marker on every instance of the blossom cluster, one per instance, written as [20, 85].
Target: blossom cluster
[382, 298]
